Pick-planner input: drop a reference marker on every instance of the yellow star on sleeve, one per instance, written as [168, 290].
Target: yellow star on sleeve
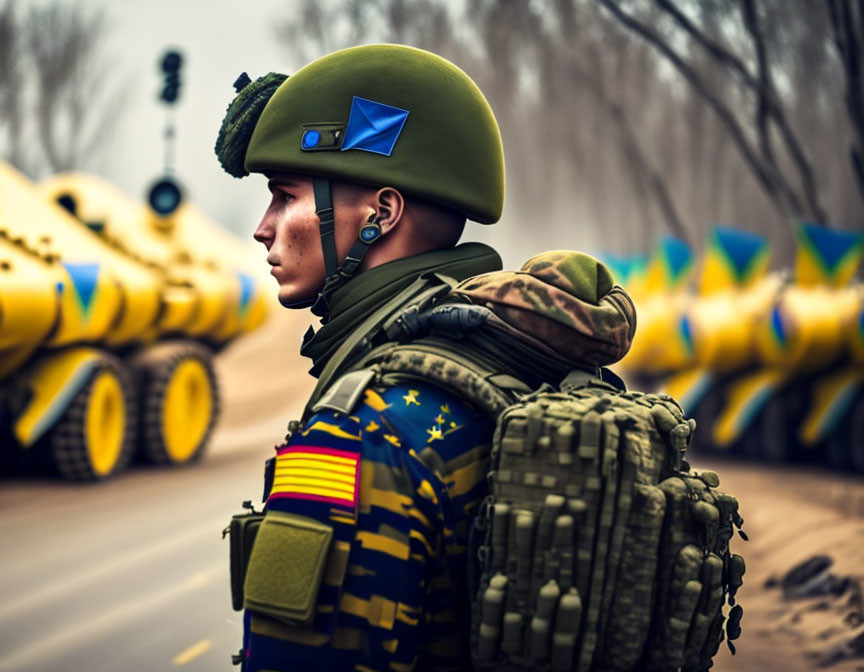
[373, 426]
[445, 408]
[434, 433]
[411, 397]
[440, 419]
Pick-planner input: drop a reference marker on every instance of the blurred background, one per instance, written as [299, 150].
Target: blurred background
[711, 152]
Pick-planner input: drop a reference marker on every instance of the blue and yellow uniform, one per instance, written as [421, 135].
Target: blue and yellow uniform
[399, 480]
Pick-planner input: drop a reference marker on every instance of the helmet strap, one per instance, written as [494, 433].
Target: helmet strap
[336, 276]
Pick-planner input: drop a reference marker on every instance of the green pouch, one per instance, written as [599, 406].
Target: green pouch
[242, 532]
[286, 567]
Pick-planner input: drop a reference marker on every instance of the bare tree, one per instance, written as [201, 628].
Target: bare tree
[58, 94]
[75, 109]
[847, 24]
[11, 113]
[756, 142]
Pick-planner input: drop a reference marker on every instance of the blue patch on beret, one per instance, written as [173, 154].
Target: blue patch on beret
[373, 127]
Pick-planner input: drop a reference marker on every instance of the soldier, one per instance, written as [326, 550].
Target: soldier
[372, 554]
[375, 157]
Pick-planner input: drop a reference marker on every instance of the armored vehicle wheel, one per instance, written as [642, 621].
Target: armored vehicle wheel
[94, 438]
[837, 451]
[776, 442]
[180, 402]
[855, 436]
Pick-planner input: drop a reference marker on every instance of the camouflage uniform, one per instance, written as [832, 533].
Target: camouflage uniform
[397, 589]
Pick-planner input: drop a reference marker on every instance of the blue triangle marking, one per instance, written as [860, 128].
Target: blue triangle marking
[832, 245]
[777, 326]
[373, 127]
[687, 333]
[247, 289]
[622, 266]
[741, 247]
[84, 279]
[677, 255]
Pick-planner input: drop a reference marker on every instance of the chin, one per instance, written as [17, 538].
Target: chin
[291, 300]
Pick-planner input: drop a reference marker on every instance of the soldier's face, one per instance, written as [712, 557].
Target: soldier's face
[289, 230]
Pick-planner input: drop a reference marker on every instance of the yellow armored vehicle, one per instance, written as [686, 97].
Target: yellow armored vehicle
[108, 322]
[770, 364]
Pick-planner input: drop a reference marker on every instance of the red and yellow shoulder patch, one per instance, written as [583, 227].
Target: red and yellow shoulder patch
[317, 474]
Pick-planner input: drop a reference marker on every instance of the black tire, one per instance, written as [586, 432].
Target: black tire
[855, 436]
[67, 443]
[774, 428]
[837, 451]
[705, 414]
[156, 368]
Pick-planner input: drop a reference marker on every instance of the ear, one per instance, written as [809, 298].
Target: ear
[391, 206]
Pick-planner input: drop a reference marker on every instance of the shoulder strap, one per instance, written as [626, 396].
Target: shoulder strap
[420, 291]
[344, 394]
[444, 363]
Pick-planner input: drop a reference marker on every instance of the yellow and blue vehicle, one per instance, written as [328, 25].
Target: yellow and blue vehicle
[769, 364]
[108, 325]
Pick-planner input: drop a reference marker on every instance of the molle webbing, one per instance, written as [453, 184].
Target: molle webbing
[468, 375]
[602, 550]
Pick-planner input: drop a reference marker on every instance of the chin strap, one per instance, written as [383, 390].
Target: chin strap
[337, 274]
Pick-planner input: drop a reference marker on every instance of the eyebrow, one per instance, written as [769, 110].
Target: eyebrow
[280, 182]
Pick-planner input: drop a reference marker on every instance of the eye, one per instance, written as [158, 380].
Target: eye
[282, 197]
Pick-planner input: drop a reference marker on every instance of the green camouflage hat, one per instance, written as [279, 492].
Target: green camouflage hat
[240, 119]
[387, 115]
[566, 300]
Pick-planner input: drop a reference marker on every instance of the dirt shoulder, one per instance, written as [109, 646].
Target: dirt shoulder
[792, 514]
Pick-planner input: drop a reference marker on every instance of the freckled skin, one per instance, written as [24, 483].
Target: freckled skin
[289, 230]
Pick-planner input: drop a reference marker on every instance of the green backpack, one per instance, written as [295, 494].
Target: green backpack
[601, 549]
[598, 547]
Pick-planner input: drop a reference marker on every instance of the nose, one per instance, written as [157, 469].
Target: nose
[264, 233]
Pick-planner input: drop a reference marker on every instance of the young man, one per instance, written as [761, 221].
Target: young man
[375, 157]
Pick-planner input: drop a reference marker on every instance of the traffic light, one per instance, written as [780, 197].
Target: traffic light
[165, 197]
[171, 63]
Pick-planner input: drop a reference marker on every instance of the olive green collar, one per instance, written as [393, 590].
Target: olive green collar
[356, 300]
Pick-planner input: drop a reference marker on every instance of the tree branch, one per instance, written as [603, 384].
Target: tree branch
[699, 86]
[769, 106]
[634, 153]
[764, 93]
[848, 44]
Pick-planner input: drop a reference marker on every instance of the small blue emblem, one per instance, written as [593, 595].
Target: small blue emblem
[369, 233]
[373, 127]
[310, 139]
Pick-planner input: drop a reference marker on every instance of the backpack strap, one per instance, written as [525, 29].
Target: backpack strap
[344, 394]
[460, 370]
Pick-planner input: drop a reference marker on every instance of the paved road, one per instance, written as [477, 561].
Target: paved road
[128, 575]
[132, 575]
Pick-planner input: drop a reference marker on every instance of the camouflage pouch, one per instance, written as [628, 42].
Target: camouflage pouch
[698, 574]
[286, 567]
[241, 532]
